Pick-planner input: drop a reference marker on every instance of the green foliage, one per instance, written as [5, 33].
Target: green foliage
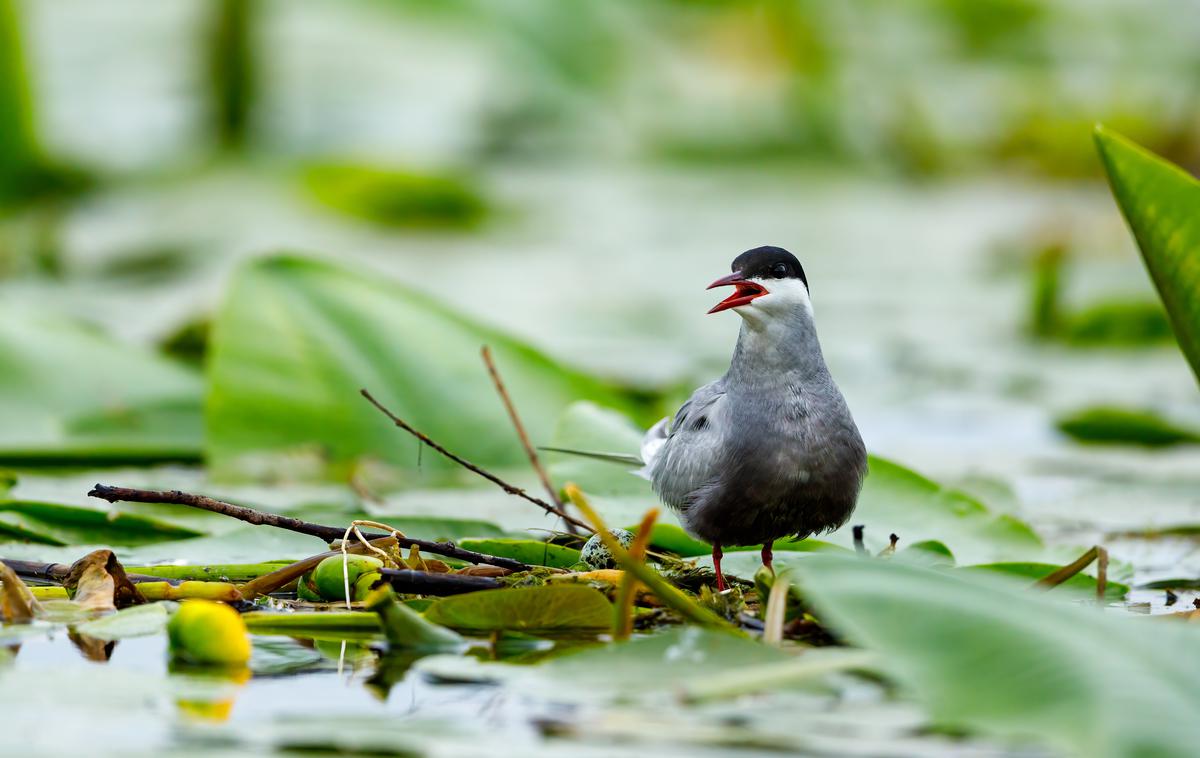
[407, 630]
[1083, 584]
[54, 524]
[137, 621]
[401, 199]
[986, 654]
[533, 552]
[1161, 203]
[133, 407]
[296, 339]
[1114, 425]
[232, 77]
[549, 608]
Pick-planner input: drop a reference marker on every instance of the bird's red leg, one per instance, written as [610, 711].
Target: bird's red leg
[767, 556]
[717, 566]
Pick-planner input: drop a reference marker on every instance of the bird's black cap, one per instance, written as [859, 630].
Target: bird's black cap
[769, 262]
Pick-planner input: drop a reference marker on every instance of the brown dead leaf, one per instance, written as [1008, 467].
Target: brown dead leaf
[482, 570]
[17, 603]
[97, 582]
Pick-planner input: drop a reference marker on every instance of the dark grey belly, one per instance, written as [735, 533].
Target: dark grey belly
[754, 502]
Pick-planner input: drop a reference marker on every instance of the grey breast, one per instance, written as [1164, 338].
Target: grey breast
[748, 462]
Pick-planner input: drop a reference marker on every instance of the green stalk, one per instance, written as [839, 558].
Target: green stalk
[228, 572]
[666, 592]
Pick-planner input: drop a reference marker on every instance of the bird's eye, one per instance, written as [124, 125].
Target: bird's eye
[779, 270]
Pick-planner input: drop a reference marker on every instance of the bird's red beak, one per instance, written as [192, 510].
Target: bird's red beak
[745, 292]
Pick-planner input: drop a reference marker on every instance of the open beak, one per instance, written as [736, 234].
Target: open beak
[745, 292]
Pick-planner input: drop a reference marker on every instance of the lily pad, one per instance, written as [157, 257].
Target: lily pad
[987, 654]
[551, 608]
[134, 407]
[396, 198]
[1112, 425]
[296, 339]
[55, 524]
[138, 621]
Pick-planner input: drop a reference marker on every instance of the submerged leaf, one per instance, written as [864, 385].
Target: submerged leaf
[550, 608]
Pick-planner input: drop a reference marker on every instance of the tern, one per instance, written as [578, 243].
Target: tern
[770, 449]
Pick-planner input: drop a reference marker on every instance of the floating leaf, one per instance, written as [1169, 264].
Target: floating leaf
[1112, 425]
[551, 608]
[396, 198]
[55, 524]
[297, 338]
[987, 654]
[406, 629]
[1114, 591]
[1161, 203]
[133, 407]
[533, 552]
[138, 621]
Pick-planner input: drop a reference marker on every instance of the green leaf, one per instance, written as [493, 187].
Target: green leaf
[406, 629]
[327, 624]
[1113, 425]
[551, 608]
[533, 552]
[54, 524]
[1161, 203]
[134, 406]
[984, 653]
[296, 339]
[644, 668]
[396, 198]
[1084, 584]
[138, 621]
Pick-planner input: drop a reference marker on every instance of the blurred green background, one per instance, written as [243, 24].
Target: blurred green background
[571, 176]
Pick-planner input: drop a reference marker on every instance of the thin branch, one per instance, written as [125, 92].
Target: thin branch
[530, 452]
[510, 489]
[263, 518]
[1096, 553]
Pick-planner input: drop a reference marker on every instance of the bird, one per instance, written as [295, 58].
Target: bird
[770, 449]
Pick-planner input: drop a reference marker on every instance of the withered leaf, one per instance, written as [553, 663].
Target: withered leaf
[97, 581]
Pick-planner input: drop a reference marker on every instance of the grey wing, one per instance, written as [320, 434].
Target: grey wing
[688, 457]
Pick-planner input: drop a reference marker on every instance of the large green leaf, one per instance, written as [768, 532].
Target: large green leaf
[551, 608]
[894, 500]
[1161, 202]
[297, 338]
[987, 654]
[69, 394]
[54, 524]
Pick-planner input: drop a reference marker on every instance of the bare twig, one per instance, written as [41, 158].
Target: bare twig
[510, 489]
[263, 518]
[486, 352]
[1096, 553]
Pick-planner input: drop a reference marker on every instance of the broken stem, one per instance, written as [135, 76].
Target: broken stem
[1096, 553]
[530, 452]
[510, 489]
[263, 518]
